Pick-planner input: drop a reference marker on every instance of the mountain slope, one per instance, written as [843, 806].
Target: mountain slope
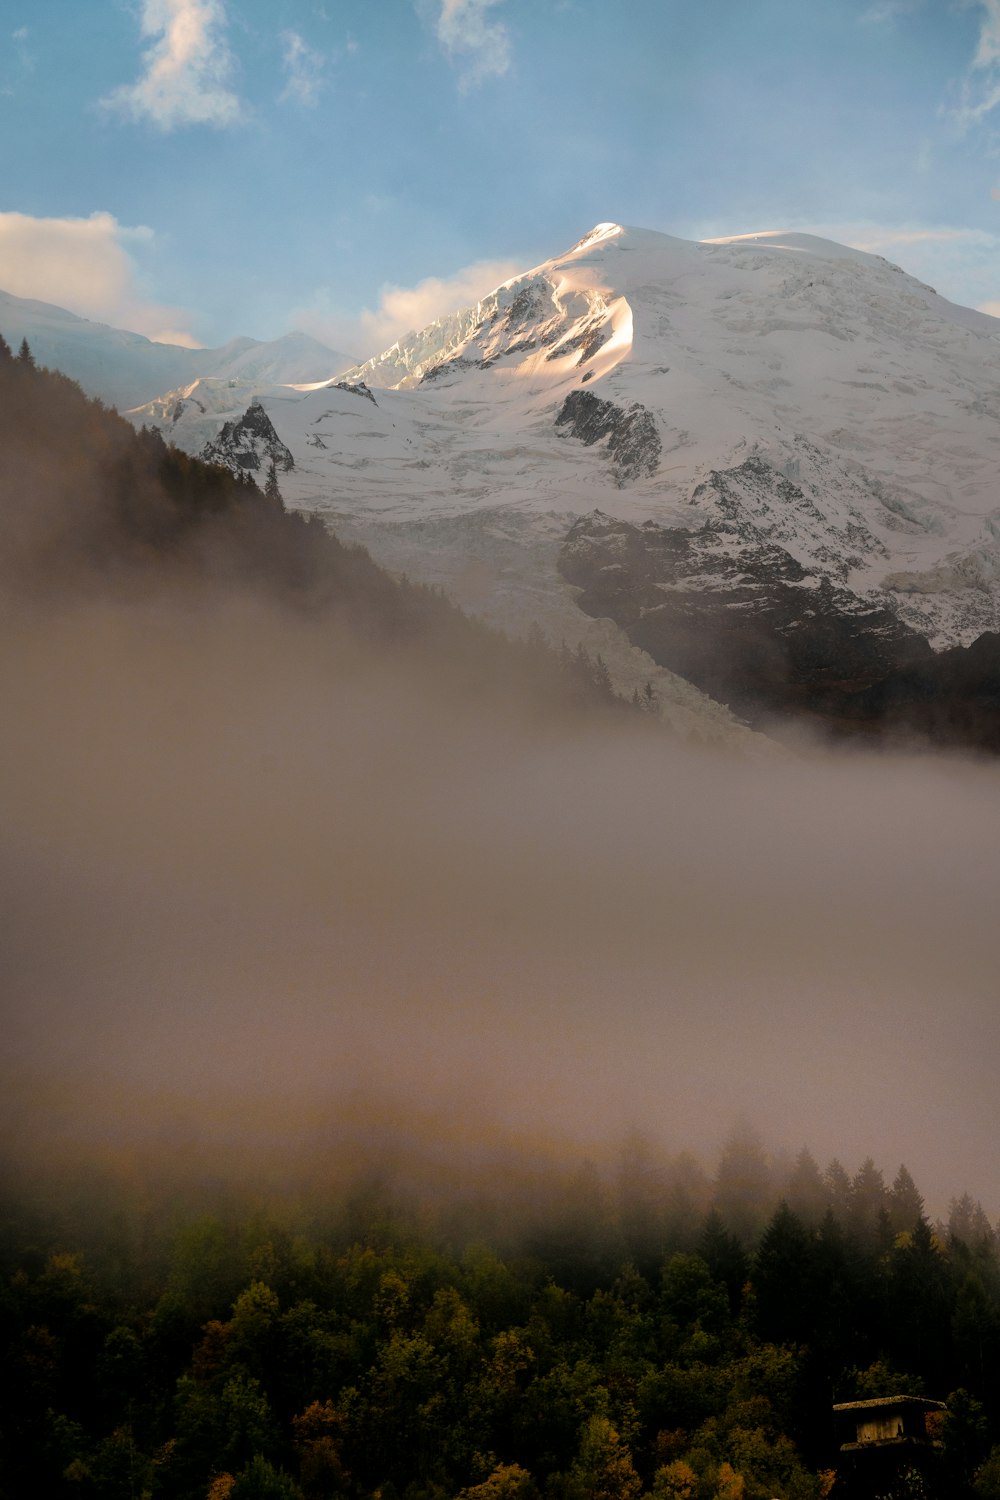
[97, 518]
[801, 404]
[126, 369]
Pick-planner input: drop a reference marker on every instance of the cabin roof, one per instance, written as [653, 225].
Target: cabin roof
[924, 1402]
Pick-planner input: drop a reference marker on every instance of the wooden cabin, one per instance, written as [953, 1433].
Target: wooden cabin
[883, 1438]
[887, 1419]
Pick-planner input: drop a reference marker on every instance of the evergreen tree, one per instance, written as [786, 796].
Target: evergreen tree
[920, 1307]
[25, 356]
[842, 1335]
[868, 1200]
[838, 1187]
[806, 1194]
[784, 1279]
[906, 1206]
[271, 489]
[968, 1223]
[725, 1257]
[743, 1191]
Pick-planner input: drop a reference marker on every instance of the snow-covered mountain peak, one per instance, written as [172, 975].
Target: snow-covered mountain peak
[772, 421]
[557, 307]
[598, 235]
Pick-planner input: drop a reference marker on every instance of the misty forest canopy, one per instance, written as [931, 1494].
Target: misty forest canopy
[649, 1331]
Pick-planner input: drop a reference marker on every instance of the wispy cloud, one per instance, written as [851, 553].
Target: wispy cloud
[980, 89]
[19, 63]
[880, 240]
[85, 265]
[479, 44]
[402, 309]
[187, 67]
[304, 69]
[25, 59]
[888, 12]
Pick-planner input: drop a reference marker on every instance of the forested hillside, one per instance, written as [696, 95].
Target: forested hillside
[573, 1336]
[90, 509]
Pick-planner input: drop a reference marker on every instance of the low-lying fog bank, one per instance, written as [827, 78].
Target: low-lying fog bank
[253, 871]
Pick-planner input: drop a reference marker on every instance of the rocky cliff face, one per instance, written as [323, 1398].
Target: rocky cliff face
[747, 623]
[633, 443]
[249, 445]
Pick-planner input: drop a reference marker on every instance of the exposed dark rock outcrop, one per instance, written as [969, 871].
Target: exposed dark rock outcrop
[451, 366]
[753, 501]
[531, 304]
[591, 337]
[356, 388]
[631, 432]
[249, 444]
[746, 622]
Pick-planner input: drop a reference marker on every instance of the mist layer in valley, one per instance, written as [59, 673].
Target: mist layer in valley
[251, 873]
[270, 866]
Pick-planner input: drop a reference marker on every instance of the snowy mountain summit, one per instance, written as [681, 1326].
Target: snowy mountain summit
[774, 428]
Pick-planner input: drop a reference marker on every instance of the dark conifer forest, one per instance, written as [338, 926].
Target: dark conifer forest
[554, 1331]
[376, 1310]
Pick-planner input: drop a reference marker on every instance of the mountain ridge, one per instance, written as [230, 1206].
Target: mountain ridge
[127, 369]
[870, 405]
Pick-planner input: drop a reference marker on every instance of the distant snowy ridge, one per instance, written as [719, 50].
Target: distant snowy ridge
[127, 370]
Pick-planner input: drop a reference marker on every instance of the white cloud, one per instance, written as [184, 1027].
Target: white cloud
[187, 68]
[402, 310]
[980, 90]
[993, 308]
[303, 69]
[84, 265]
[988, 51]
[470, 37]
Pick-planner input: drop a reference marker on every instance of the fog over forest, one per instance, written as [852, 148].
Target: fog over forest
[257, 873]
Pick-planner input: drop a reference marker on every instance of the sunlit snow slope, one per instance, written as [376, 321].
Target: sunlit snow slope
[636, 375]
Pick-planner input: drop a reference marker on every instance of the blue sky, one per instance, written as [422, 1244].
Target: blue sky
[202, 168]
